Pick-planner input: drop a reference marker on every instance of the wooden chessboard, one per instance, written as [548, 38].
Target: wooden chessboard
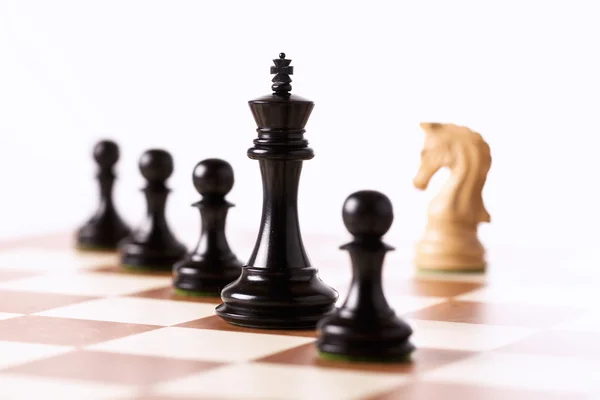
[74, 326]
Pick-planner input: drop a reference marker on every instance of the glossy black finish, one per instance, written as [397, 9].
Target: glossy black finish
[152, 246]
[105, 228]
[278, 287]
[282, 71]
[365, 327]
[212, 265]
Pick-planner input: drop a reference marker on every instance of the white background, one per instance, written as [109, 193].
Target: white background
[178, 74]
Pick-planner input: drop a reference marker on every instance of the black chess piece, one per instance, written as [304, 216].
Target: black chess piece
[365, 327]
[278, 287]
[153, 246]
[105, 228]
[212, 265]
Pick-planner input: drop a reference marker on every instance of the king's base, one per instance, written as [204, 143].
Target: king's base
[294, 299]
[205, 277]
[284, 318]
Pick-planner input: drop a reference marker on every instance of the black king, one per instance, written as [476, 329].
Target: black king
[278, 287]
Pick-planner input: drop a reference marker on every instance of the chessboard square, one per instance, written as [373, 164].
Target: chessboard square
[217, 323]
[31, 302]
[151, 396]
[423, 359]
[118, 269]
[40, 259]
[336, 272]
[9, 275]
[8, 315]
[521, 294]
[522, 371]
[169, 293]
[107, 367]
[64, 331]
[430, 390]
[87, 284]
[17, 387]
[408, 304]
[494, 314]
[134, 311]
[431, 287]
[282, 382]
[204, 345]
[558, 343]
[585, 322]
[401, 303]
[468, 337]
[15, 353]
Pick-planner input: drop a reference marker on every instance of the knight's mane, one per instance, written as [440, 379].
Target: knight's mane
[470, 148]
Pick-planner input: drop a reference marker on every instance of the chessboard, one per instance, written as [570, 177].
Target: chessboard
[75, 325]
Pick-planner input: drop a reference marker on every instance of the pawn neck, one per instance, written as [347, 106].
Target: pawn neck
[156, 199]
[366, 297]
[106, 179]
[213, 241]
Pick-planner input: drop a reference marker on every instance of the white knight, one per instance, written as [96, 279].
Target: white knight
[450, 242]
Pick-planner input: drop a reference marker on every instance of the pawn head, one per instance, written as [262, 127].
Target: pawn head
[213, 177]
[156, 165]
[368, 213]
[106, 153]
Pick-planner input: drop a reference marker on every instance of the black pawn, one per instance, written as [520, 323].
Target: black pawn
[106, 228]
[152, 246]
[365, 327]
[212, 265]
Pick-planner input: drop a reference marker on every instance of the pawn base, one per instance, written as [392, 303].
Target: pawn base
[191, 293]
[377, 338]
[364, 359]
[137, 257]
[95, 248]
[99, 243]
[144, 269]
[205, 277]
[289, 300]
[102, 233]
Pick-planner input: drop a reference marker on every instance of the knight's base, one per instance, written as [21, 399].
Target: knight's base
[450, 251]
[450, 269]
